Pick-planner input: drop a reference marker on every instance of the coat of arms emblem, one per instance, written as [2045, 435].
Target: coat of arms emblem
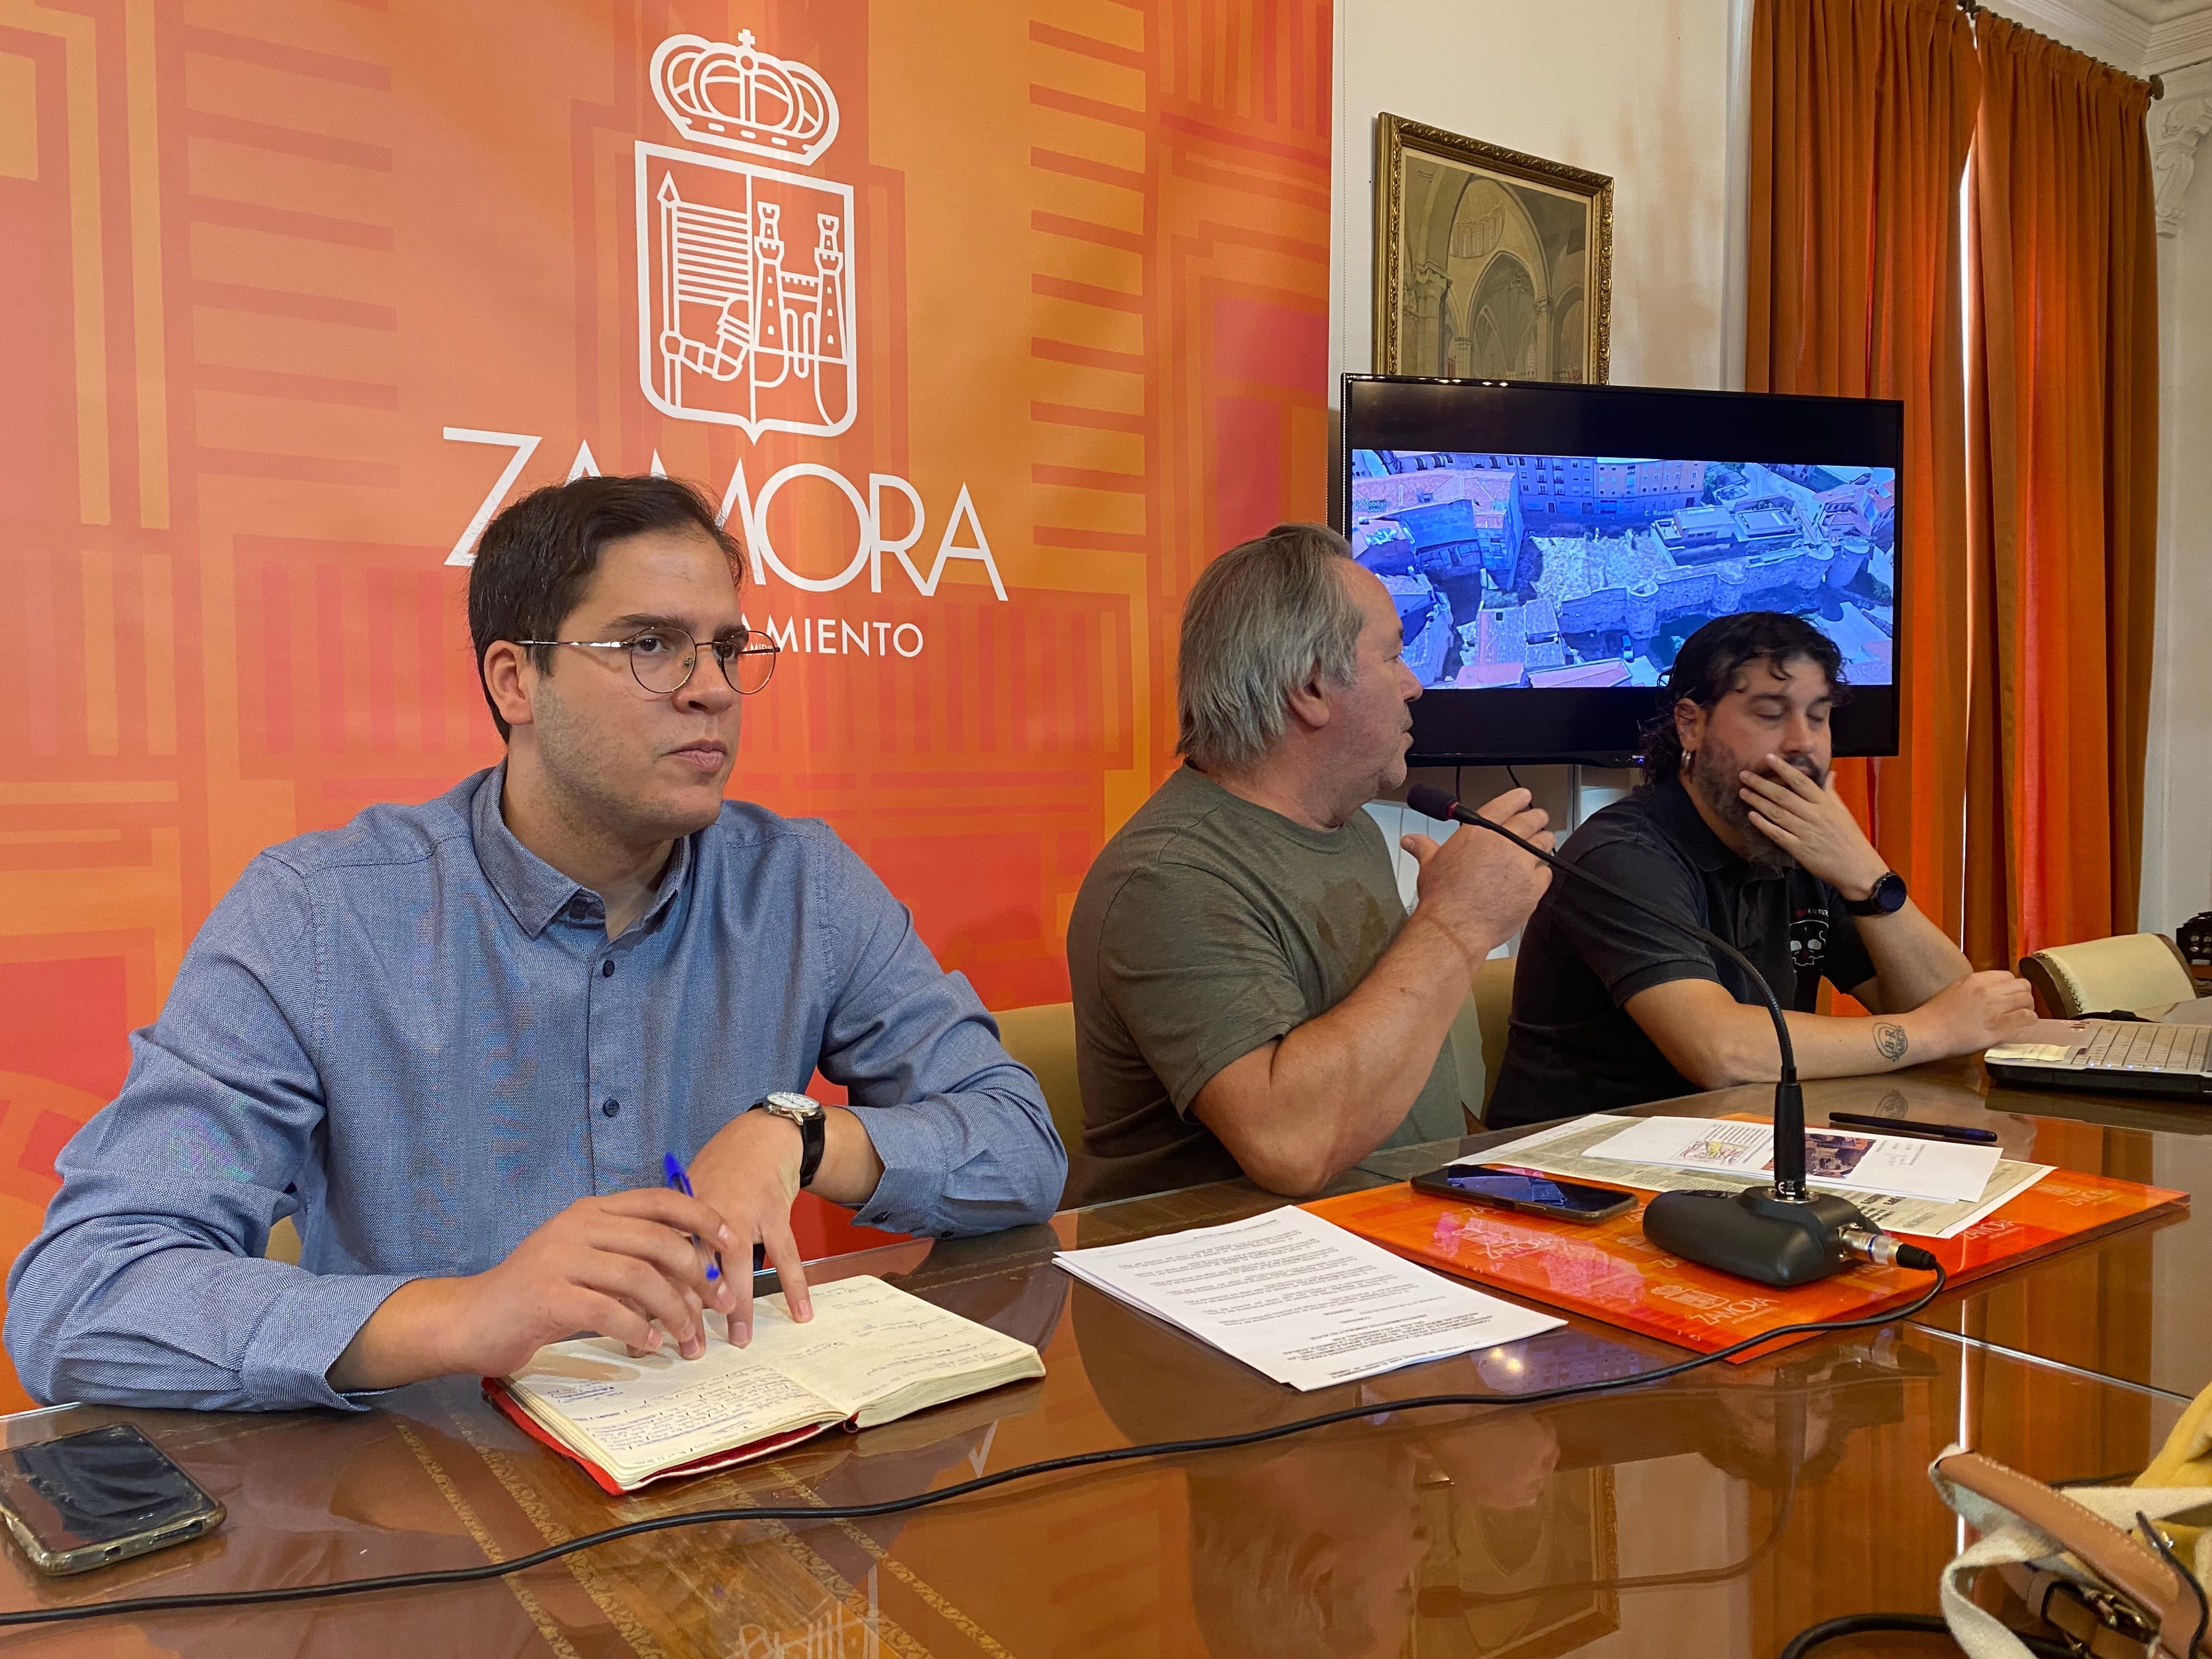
[744, 274]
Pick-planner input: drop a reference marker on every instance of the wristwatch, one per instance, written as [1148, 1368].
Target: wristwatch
[1885, 899]
[813, 1126]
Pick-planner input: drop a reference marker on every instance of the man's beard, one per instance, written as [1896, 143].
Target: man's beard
[1718, 780]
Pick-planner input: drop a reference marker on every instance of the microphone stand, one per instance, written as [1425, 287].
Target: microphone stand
[1781, 1234]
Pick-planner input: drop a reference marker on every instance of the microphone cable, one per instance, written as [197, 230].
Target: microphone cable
[138, 1607]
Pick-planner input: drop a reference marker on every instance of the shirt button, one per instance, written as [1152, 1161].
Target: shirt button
[607, 968]
[610, 1106]
[578, 909]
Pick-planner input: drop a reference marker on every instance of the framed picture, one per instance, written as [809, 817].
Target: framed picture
[1489, 264]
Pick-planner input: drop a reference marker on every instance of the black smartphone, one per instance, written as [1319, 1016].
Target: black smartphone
[1509, 1189]
[106, 1495]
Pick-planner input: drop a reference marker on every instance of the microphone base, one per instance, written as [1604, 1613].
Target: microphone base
[1756, 1235]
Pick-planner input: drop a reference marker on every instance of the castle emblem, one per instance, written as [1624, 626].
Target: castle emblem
[745, 283]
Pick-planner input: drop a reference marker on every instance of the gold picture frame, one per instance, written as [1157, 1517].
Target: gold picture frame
[1489, 264]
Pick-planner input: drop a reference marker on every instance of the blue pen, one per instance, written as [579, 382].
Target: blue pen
[672, 1169]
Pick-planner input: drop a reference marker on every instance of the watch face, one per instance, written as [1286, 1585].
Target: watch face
[1889, 893]
[793, 1105]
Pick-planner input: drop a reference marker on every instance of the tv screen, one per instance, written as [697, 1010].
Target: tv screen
[1549, 547]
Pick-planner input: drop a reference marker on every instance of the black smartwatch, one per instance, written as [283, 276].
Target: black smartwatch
[1886, 899]
[813, 1128]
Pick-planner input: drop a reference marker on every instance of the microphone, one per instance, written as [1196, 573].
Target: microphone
[1783, 1234]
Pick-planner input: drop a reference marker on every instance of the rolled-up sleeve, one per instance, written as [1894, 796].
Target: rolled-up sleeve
[146, 1286]
[967, 1141]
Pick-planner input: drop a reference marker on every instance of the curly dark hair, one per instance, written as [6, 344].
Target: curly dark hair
[1706, 667]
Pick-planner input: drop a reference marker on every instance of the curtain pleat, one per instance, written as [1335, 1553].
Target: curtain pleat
[2063, 441]
[1862, 113]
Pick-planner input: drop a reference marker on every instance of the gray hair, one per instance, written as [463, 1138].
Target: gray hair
[1259, 621]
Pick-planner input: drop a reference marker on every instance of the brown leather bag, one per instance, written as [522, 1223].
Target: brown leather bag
[2083, 1560]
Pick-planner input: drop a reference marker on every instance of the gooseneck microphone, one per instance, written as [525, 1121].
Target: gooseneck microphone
[1782, 1234]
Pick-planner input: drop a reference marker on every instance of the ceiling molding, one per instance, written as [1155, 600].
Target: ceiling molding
[2105, 29]
[2143, 37]
[2183, 39]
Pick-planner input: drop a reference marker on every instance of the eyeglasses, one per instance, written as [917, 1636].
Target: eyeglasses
[662, 659]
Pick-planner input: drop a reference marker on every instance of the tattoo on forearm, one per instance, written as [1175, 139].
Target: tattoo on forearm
[1890, 1040]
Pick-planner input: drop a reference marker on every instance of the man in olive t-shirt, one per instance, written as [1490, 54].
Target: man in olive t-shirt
[1214, 926]
[1251, 994]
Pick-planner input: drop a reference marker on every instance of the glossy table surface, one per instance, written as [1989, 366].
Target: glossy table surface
[1718, 1513]
[2129, 1306]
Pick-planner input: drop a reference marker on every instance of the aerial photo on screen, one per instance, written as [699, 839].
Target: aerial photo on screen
[1585, 571]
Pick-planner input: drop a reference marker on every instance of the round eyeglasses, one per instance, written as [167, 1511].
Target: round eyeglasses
[663, 659]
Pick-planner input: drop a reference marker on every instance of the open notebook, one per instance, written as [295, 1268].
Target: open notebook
[869, 1354]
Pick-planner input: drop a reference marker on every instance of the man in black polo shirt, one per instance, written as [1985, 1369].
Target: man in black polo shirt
[1738, 829]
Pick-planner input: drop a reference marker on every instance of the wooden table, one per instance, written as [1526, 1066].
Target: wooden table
[1717, 1514]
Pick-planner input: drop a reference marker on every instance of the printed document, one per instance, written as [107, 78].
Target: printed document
[1903, 1166]
[1568, 1149]
[1301, 1300]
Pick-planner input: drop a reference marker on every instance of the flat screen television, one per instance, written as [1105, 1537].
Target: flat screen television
[1549, 547]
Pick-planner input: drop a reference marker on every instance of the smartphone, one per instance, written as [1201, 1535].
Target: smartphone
[106, 1495]
[1539, 1194]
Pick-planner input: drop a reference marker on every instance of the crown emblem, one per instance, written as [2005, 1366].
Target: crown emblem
[742, 98]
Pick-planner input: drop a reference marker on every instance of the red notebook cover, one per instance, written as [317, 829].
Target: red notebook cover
[497, 1393]
[1609, 1270]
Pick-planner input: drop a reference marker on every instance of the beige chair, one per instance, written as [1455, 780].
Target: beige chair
[1479, 1033]
[2131, 971]
[283, 1243]
[1043, 1039]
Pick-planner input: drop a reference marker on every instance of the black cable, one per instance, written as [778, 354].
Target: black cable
[1510, 773]
[1860, 1624]
[1458, 811]
[138, 1605]
[1789, 1098]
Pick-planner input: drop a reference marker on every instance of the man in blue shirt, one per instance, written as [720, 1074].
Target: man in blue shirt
[457, 1040]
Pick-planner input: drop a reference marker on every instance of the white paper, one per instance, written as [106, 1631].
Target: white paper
[1563, 1149]
[1301, 1300]
[1840, 1159]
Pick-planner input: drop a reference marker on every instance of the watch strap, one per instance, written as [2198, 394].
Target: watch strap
[1884, 898]
[813, 1130]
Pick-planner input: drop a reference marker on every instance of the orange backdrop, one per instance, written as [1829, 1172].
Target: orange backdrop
[292, 284]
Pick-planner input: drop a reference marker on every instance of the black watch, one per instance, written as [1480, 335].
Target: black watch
[1887, 898]
[813, 1128]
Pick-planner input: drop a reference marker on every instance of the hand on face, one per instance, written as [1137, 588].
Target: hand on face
[1480, 885]
[1809, 822]
[617, 1266]
[748, 1172]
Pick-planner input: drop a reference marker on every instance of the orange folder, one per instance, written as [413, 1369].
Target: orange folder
[1609, 1270]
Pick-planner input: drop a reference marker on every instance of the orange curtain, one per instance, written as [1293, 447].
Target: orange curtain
[2065, 460]
[1861, 115]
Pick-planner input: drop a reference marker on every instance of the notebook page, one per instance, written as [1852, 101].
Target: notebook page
[636, 1415]
[868, 1340]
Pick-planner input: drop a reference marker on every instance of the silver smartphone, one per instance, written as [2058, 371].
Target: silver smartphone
[106, 1495]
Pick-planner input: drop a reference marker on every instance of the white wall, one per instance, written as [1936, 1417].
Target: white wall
[1638, 89]
[1651, 92]
[2178, 772]
[1646, 91]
